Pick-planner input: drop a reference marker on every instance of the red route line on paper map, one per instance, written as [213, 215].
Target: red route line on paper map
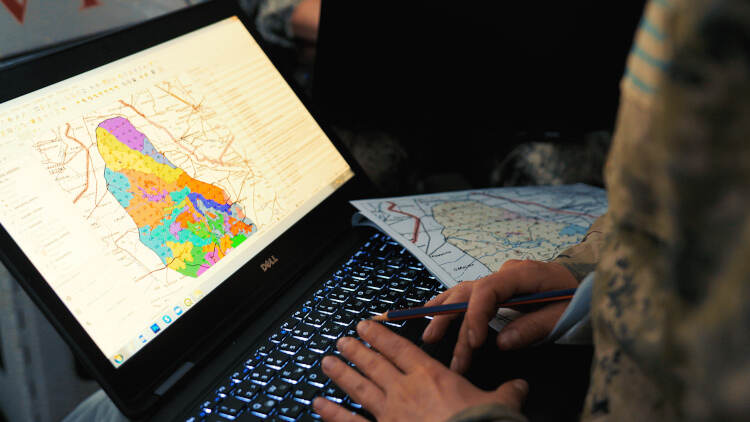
[518, 201]
[417, 220]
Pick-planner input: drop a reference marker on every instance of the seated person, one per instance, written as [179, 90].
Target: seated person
[671, 298]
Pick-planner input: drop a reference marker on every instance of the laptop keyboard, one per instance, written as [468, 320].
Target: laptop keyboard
[279, 379]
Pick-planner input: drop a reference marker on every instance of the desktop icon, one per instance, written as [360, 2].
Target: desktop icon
[167, 319]
[177, 310]
[155, 328]
[118, 359]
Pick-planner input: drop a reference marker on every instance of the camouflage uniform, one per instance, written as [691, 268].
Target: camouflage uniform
[671, 301]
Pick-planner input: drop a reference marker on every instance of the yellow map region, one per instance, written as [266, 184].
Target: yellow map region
[481, 231]
[119, 156]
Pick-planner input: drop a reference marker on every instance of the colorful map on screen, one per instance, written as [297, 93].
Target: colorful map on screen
[189, 224]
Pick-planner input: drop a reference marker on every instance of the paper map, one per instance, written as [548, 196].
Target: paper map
[467, 235]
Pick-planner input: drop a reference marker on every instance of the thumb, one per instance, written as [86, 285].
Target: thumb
[512, 393]
[531, 327]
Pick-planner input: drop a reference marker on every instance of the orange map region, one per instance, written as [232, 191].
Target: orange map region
[190, 224]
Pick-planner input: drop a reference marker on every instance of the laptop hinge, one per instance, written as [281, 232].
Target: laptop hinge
[172, 380]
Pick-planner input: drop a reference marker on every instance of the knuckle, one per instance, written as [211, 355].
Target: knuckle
[398, 346]
[530, 267]
[511, 263]
[481, 289]
[432, 373]
[371, 361]
[465, 286]
[538, 325]
[359, 389]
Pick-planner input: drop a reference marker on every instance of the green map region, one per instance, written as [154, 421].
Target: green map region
[190, 225]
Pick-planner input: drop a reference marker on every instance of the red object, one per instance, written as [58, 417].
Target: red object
[17, 8]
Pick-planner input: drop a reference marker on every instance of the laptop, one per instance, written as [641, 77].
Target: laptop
[182, 219]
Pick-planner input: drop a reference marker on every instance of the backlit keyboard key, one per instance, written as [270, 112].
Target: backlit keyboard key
[306, 359]
[277, 389]
[327, 306]
[375, 283]
[342, 318]
[247, 391]
[207, 407]
[262, 406]
[399, 285]
[316, 377]
[290, 408]
[333, 393]
[265, 348]
[319, 344]
[304, 393]
[292, 373]
[339, 295]
[224, 389]
[231, 407]
[303, 332]
[355, 306]
[289, 324]
[277, 359]
[385, 272]
[377, 308]
[278, 336]
[365, 295]
[350, 284]
[262, 375]
[332, 330]
[359, 273]
[290, 345]
[316, 318]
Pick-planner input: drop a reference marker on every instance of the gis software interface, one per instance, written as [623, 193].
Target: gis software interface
[138, 187]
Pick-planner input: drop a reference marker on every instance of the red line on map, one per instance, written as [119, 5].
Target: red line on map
[88, 157]
[518, 201]
[16, 8]
[203, 158]
[226, 147]
[417, 220]
[193, 106]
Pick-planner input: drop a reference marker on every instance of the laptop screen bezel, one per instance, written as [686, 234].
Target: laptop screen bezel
[131, 386]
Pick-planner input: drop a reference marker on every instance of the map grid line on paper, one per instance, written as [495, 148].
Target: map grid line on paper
[466, 235]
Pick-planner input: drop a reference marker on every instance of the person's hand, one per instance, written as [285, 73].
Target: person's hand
[400, 382]
[513, 278]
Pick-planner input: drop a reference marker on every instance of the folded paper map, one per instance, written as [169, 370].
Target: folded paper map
[466, 235]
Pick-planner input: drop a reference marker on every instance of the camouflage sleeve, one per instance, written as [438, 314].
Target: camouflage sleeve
[582, 258]
[706, 128]
[492, 412]
[671, 303]
[273, 21]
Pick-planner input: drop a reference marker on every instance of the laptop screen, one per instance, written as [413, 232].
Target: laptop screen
[140, 186]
